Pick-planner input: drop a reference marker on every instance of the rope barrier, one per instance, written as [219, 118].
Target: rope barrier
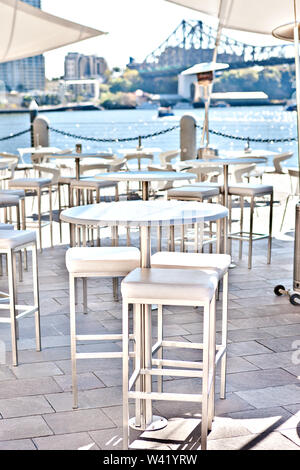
[12, 136]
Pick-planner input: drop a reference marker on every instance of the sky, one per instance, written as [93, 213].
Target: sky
[135, 28]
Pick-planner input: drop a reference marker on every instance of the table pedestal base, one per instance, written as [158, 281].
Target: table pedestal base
[157, 423]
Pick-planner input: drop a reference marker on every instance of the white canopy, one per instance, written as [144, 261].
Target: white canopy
[205, 67]
[26, 31]
[246, 15]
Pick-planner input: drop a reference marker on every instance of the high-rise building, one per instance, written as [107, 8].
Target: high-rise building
[78, 66]
[24, 74]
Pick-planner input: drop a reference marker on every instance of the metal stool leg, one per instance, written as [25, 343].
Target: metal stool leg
[212, 367]
[251, 233]
[36, 297]
[73, 341]
[51, 216]
[125, 376]
[241, 228]
[270, 229]
[39, 218]
[205, 379]
[159, 340]
[224, 336]
[12, 306]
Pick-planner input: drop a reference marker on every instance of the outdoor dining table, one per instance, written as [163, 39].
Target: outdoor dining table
[37, 151]
[145, 177]
[144, 215]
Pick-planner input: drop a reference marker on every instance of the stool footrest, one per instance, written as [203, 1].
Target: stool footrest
[117, 337]
[172, 363]
[246, 236]
[104, 355]
[172, 372]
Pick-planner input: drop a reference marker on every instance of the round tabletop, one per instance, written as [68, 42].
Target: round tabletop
[139, 151]
[144, 213]
[242, 154]
[222, 161]
[83, 155]
[145, 176]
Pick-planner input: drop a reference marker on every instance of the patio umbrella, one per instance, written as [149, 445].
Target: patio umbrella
[264, 17]
[26, 31]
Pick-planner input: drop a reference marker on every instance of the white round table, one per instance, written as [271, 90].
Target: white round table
[145, 177]
[145, 214]
[80, 156]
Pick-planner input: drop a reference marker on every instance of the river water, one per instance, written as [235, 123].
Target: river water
[267, 122]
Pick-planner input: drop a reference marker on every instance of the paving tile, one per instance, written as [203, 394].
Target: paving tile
[24, 406]
[77, 421]
[22, 428]
[84, 382]
[74, 441]
[259, 379]
[6, 373]
[262, 420]
[246, 348]
[273, 441]
[20, 444]
[26, 387]
[40, 369]
[108, 439]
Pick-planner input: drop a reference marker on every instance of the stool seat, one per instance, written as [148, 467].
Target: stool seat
[11, 239]
[102, 259]
[145, 284]
[92, 183]
[6, 226]
[8, 201]
[209, 184]
[249, 189]
[13, 192]
[193, 191]
[29, 183]
[217, 263]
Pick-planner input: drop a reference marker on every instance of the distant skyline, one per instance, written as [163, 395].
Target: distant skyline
[134, 27]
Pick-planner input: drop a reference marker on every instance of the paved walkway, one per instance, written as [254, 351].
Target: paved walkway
[261, 410]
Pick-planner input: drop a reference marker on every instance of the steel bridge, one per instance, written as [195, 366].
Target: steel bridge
[193, 42]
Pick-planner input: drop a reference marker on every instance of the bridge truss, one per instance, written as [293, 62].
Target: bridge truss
[194, 41]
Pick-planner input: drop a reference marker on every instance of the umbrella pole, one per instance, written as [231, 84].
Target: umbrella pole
[296, 280]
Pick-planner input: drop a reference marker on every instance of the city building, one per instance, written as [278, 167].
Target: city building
[79, 66]
[25, 74]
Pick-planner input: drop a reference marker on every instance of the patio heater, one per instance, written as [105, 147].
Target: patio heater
[290, 32]
[205, 77]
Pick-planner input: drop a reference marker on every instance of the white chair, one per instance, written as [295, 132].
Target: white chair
[177, 287]
[277, 160]
[251, 191]
[90, 262]
[294, 190]
[11, 242]
[36, 186]
[167, 157]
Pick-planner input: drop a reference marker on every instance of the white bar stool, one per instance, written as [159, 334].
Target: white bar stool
[216, 263]
[193, 193]
[36, 186]
[176, 287]
[85, 262]
[12, 241]
[251, 191]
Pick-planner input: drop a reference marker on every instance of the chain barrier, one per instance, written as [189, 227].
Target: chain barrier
[116, 140]
[249, 139]
[12, 136]
[156, 134]
[170, 129]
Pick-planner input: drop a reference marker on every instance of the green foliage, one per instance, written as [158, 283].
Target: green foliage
[275, 81]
